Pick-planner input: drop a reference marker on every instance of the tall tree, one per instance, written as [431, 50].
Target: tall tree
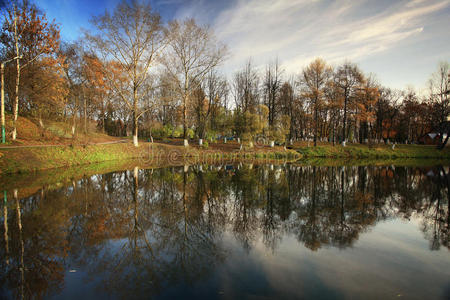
[96, 88]
[347, 78]
[439, 84]
[245, 88]
[314, 81]
[193, 52]
[216, 89]
[368, 96]
[200, 108]
[72, 65]
[26, 35]
[287, 105]
[387, 109]
[272, 85]
[132, 36]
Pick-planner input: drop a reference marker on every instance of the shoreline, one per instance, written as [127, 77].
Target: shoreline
[31, 159]
[26, 160]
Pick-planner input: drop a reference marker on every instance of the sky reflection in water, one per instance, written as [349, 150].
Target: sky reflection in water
[253, 231]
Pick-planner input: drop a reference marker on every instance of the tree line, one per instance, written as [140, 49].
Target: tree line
[134, 75]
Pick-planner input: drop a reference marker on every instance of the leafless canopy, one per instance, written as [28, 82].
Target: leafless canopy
[193, 52]
[132, 36]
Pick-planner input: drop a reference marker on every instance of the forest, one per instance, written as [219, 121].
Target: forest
[134, 75]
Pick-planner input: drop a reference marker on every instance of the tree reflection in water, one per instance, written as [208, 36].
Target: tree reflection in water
[141, 231]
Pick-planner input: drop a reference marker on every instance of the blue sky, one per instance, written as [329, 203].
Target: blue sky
[401, 41]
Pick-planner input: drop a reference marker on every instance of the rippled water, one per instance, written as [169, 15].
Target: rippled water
[231, 232]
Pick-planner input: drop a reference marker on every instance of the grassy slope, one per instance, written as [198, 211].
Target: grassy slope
[32, 159]
[54, 132]
[19, 160]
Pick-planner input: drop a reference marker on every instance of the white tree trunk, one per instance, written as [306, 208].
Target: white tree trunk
[16, 99]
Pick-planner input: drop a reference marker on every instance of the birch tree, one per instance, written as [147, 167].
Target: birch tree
[133, 37]
[26, 36]
[193, 51]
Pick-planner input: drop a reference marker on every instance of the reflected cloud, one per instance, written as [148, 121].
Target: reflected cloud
[300, 230]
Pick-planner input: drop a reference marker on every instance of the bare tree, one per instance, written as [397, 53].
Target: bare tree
[348, 78]
[193, 52]
[216, 89]
[439, 84]
[272, 85]
[287, 105]
[72, 67]
[246, 88]
[314, 80]
[387, 109]
[133, 37]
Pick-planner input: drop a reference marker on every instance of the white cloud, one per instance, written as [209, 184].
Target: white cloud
[298, 30]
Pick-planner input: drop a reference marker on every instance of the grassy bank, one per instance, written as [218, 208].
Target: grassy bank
[32, 159]
[377, 152]
[19, 160]
[346, 162]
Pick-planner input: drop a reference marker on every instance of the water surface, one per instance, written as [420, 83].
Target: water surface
[239, 231]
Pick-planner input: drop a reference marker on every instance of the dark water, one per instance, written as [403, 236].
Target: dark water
[253, 232]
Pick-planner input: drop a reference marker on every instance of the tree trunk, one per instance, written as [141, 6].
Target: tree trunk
[135, 117]
[135, 129]
[334, 132]
[315, 123]
[103, 117]
[85, 112]
[184, 116]
[345, 117]
[185, 98]
[73, 126]
[16, 99]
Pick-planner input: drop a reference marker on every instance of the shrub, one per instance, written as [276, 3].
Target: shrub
[159, 132]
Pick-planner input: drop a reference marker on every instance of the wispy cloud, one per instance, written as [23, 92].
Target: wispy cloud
[299, 30]
[400, 40]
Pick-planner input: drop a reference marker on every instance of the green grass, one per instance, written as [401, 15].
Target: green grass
[377, 152]
[20, 160]
[33, 159]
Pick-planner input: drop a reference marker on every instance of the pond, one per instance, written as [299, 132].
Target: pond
[238, 231]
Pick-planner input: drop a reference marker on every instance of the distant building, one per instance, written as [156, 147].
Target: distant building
[432, 138]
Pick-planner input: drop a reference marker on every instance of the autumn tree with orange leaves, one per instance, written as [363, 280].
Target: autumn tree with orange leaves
[28, 37]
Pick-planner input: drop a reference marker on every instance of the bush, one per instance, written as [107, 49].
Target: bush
[210, 135]
[159, 132]
[178, 132]
[189, 133]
